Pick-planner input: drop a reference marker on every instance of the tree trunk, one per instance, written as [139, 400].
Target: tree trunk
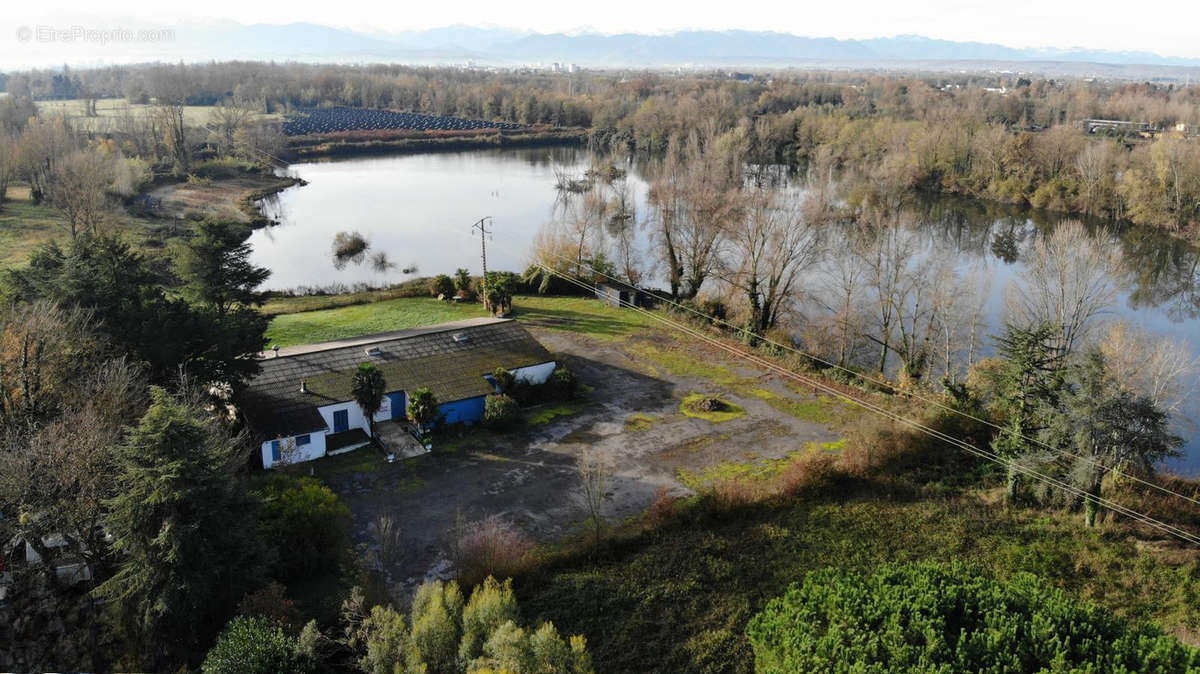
[1091, 504]
[1013, 485]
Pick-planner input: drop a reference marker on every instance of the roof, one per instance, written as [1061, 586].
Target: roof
[429, 357]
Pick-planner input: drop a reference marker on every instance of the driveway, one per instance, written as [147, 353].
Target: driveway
[630, 416]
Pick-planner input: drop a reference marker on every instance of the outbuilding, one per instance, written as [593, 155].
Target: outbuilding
[300, 406]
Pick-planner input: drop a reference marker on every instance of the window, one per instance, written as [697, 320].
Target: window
[302, 440]
[274, 451]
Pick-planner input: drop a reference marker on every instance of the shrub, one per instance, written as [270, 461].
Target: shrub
[436, 622]
[254, 645]
[463, 283]
[564, 385]
[491, 605]
[305, 523]
[663, 507]
[384, 637]
[500, 411]
[504, 379]
[441, 286]
[448, 636]
[490, 547]
[934, 617]
[271, 603]
[349, 247]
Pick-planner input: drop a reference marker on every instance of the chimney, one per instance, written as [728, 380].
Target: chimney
[303, 386]
[276, 350]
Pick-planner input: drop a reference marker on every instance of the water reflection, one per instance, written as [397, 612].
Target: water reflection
[418, 209]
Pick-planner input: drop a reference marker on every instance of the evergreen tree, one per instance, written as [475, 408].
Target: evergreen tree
[216, 266]
[1028, 385]
[127, 296]
[1111, 428]
[183, 528]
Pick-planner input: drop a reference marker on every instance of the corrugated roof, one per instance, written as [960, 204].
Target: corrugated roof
[409, 359]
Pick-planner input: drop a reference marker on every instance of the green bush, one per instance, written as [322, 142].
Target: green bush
[932, 617]
[564, 385]
[504, 379]
[500, 411]
[254, 645]
[441, 285]
[448, 636]
[305, 523]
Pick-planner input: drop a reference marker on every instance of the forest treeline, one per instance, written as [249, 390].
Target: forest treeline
[997, 137]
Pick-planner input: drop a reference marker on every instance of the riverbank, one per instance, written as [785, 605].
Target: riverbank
[365, 143]
[230, 199]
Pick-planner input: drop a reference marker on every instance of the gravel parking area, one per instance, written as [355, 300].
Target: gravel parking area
[631, 416]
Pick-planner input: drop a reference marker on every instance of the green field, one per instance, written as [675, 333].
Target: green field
[109, 108]
[576, 314]
[25, 225]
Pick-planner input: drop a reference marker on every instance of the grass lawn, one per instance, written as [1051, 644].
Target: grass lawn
[25, 225]
[677, 599]
[109, 108]
[577, 314]
[363, 319]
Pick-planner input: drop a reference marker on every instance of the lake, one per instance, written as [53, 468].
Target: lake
[419, 210]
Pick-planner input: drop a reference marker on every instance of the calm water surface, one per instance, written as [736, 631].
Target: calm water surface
[418, 209]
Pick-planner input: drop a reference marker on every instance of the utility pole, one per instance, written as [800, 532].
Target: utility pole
[484, 234]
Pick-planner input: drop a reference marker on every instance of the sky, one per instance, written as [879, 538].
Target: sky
[1169, 28]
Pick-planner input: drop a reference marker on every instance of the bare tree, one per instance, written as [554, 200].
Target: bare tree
[1067, 282]
[887, 252]
[842, 287]
[224, 123]
[42, 146]
[260, 141]
[79, 189]
[595, 478]
[621, 227]
[170, 92]
[8, 164]
[1096, 166]
[666, 200]
[1162, 369]
[766, 252]
[957, 320]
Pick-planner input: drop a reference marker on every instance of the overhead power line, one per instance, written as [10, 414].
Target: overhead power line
[1058, 451]
[816, 384]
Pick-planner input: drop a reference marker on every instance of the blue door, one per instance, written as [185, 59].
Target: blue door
[341, 421]
[274, 451]
[398, 405]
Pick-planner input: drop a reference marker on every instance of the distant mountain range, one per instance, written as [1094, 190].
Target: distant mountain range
[499, 46]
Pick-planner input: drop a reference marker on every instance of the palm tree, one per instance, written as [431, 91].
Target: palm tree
[367, 388]
[422, 408]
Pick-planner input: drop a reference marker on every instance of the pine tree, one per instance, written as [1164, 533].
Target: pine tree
[1029, 385]
[183, 528]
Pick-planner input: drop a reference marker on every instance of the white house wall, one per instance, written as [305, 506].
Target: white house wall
[315, 449]
[534, 374]
[385, 410]
[355, 418]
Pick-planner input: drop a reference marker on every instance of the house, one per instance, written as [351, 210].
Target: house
[301, 409]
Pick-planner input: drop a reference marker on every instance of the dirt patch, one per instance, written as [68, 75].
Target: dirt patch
[228, 199]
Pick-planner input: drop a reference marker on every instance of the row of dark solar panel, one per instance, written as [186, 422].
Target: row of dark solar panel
[333, 120]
